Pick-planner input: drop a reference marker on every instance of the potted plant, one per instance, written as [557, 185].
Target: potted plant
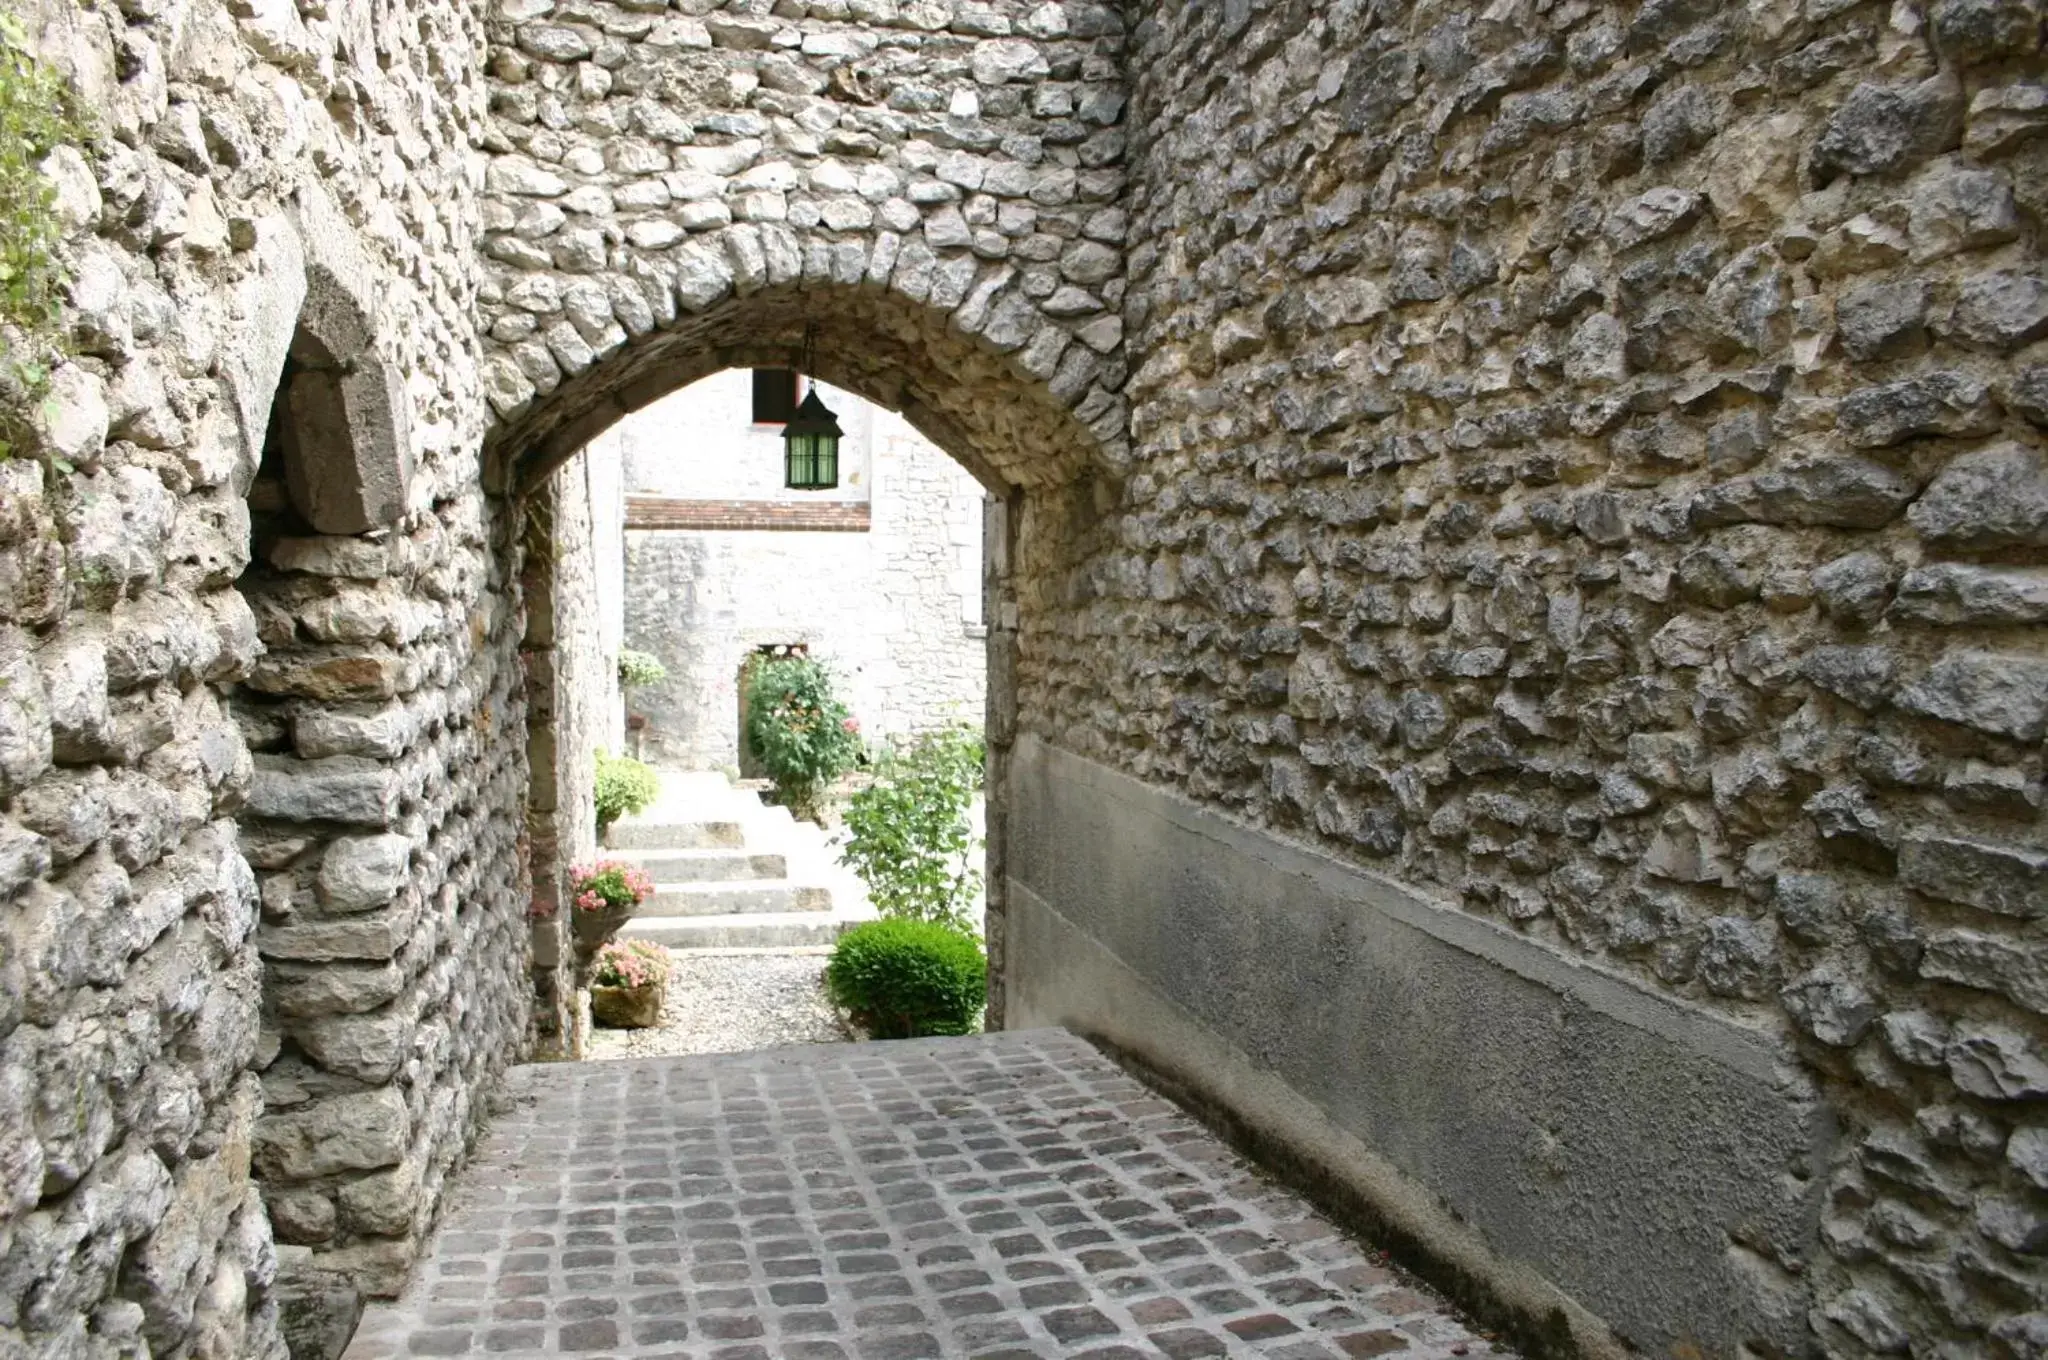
[622, 785]
[606, 894]
[629, 985]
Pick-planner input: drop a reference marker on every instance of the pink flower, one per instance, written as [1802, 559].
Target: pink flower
[851, 724]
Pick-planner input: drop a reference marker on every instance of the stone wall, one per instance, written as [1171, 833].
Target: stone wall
[1589, 471]
[930, 187]
[259, 832]
[894, 609]
[1573, 491]
[570, 654]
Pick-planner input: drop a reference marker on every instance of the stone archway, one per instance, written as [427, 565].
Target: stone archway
[935, 189]
[1009, 427]
[648, 168]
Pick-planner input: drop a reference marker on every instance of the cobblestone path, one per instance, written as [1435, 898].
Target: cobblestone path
[1004, 1195]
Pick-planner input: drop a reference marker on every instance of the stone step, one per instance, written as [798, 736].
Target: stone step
[676, 835]
[735, 898]
[750, 930]
[702, 866]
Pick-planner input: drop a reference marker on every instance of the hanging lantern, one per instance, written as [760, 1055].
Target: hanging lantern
[810, 440]
[810, 446]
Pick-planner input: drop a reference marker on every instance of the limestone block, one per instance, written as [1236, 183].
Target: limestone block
[359, 1132]
[25, 735]
[333, 789]
[74, 669]
[1999, 311]
[1881, 129]
[1954, 593]
[367, 1047]
[331, 675]
[2003, 694]
[2008, 879]
[168, 1269]
[367, 937]
[1997, 1062]
[71, 423]
[119, 520]
[1988, 961]
[385, 1203]
[356, 558]
[330, 988]
[358, 873]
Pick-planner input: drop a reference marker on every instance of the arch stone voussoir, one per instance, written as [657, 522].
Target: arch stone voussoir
[671, 195]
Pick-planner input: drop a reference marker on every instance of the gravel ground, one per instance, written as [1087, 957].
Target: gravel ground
[723, 1001]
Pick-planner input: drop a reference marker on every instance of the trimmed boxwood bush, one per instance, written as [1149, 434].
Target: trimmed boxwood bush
[903, 979]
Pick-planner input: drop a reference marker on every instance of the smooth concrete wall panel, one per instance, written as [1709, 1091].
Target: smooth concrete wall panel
[1653, 1161]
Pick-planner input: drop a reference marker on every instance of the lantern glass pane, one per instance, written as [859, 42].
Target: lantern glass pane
[811, 447]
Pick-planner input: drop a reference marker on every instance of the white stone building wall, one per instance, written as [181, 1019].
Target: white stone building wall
[701, 443]
[895, 610]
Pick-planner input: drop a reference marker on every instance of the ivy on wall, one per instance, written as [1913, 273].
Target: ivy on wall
[36, 116]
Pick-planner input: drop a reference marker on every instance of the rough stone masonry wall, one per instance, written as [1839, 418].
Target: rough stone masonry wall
[369, 965]
[678, 189]
[572, 711]
[1589, 466]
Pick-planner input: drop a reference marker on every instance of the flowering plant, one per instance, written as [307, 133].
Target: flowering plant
[611, 883]
[631, 963]
[801, 733]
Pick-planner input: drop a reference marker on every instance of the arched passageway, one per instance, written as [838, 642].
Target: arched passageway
[1013, 428]
[936, 194]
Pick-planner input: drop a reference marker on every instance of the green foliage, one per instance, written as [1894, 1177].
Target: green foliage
[36, 116]
[904, 979]
[623, 785]
[640, 668]
[802, 735]
[911, 839]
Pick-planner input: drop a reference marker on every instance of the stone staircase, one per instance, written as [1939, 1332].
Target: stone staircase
[732, 872]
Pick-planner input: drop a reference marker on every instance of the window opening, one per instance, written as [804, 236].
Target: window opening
[775, 395]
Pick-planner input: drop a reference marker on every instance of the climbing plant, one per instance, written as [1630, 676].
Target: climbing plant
[798, 729]
[37, 115]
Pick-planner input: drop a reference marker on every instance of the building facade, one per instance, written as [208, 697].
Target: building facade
[879, 577]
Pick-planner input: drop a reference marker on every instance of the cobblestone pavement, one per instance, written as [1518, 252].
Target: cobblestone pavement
[1003, 1195]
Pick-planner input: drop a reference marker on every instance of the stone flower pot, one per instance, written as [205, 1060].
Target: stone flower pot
[628, 1007]
[594, 929]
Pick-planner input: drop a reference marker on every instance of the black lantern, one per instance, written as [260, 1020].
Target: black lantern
[810, 441]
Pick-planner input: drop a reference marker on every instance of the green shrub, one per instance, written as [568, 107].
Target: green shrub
[623, 785]
[640, 668]
[37, 114]
[799, 731]
[911, 840]
[904, 979]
